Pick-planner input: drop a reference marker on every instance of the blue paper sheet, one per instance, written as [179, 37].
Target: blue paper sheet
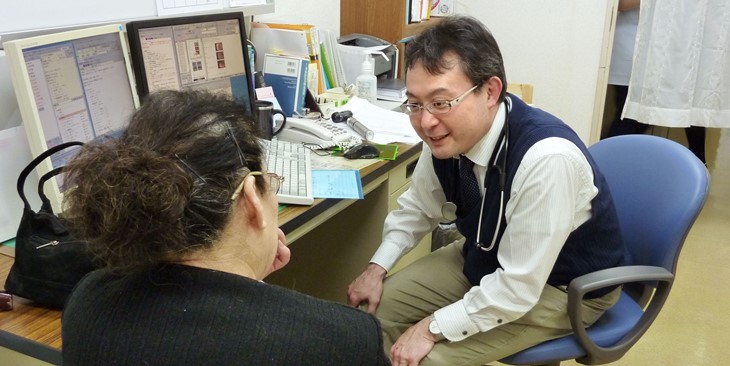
[337, 184]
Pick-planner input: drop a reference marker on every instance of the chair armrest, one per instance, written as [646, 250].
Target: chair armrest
[582, 285]
[616, 276]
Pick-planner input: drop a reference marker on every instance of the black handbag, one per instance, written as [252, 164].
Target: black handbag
[49, 261]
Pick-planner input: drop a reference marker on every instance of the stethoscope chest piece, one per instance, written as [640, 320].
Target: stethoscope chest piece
[448, 211]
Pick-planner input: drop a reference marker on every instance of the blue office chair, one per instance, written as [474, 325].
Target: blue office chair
[659, 188]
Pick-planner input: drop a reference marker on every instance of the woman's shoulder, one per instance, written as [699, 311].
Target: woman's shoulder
[320, 306]
[179, 282]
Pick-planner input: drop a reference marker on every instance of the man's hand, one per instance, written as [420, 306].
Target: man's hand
[413, 345]
[283, 254]
[368, 287]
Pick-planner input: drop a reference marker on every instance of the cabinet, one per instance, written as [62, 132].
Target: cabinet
[385, 19]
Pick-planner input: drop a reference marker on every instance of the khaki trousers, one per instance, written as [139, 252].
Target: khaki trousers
[436, 280]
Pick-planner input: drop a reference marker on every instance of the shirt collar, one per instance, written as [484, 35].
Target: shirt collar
[482, 150]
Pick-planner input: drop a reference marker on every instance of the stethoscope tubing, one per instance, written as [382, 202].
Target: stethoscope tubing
[448, 209]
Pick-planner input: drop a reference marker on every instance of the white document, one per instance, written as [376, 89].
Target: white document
[235, 3]
[168, 7]
[278, 42]
[334, 58]
[415, 12]
[389, 126]
[442, 8]
[327, 162]
[14, 156]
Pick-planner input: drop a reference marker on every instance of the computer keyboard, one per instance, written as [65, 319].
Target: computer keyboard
[292, 161]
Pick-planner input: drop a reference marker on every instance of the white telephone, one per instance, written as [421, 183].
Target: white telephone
[321, 134]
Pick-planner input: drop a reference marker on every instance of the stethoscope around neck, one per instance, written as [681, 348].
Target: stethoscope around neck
[448, 209]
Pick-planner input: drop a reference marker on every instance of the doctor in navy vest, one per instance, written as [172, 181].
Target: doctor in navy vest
[534, 211]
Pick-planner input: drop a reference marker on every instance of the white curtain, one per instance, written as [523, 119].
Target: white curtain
[681, 69]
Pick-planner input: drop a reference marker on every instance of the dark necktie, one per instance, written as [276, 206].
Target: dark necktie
[470, 193]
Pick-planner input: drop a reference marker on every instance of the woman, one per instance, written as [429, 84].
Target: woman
[184, 217]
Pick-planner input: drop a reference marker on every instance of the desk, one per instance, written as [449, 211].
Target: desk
[36, 331]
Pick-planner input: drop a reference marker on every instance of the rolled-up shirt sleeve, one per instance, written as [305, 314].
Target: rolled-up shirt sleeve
[415, 216]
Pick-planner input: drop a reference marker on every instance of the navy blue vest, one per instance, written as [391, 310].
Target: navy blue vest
[593, 246]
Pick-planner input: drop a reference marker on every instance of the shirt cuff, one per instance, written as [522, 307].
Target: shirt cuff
[387, 255]
[454, 322]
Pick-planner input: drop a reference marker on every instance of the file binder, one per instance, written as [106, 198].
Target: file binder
[287, 75]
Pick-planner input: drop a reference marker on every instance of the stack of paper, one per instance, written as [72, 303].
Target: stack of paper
[392, 89]
[334, 73]
[389, 126]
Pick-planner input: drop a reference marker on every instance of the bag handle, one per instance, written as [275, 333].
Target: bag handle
[33, 164]
[45, 202]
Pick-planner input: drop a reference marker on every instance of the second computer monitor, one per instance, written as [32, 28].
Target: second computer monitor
[193, 52]
[71, 86]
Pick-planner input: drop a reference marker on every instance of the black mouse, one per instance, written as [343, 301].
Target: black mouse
[362, 151]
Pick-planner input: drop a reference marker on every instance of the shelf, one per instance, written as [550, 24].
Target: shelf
[383, 19]
[416, 28]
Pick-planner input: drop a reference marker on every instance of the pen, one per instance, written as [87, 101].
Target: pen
[360, 128]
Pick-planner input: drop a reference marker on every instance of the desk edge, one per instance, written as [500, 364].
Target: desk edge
[30, 348]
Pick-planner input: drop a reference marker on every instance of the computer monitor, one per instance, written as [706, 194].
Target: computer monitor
[71, 86]
[193, 52]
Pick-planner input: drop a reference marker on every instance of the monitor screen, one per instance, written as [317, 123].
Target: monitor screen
[71, 86]
[193, 52]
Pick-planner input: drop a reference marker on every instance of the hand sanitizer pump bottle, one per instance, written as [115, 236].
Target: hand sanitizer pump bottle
[366, 82]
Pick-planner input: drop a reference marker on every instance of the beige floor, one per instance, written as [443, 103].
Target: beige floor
[694, 326]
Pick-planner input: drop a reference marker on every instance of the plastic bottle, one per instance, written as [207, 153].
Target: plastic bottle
[366, 82]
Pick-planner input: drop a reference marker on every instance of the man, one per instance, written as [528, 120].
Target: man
[493, 293]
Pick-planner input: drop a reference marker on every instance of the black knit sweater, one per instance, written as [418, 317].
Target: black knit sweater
[181, 315]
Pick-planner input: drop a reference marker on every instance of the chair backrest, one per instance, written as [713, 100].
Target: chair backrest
[659, 188]
[523, 91]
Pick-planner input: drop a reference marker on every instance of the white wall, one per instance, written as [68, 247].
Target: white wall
[554, 45]
[9, 113]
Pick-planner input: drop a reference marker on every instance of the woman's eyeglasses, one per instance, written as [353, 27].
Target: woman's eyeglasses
[275, 181]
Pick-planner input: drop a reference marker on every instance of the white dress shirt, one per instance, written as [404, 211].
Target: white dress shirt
[550, 197]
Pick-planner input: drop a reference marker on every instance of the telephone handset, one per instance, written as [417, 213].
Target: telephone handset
[319, 133]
